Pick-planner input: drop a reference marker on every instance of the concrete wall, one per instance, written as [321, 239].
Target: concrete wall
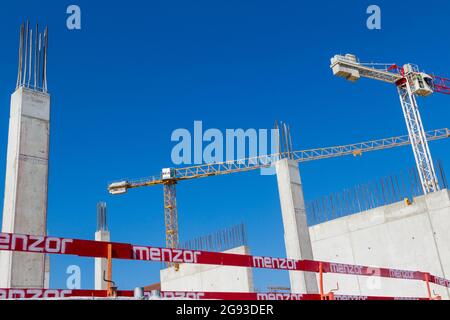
[412, 237]
[209, 278]
[25, 201]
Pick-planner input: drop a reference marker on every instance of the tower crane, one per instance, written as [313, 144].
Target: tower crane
[410, 83]
[170, 176]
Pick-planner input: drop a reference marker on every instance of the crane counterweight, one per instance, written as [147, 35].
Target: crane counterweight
[118, 187]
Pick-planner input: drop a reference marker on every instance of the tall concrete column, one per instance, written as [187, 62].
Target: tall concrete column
[101, 263]
[25, 200]
[296, 232]
[102, 234]
[47, 272]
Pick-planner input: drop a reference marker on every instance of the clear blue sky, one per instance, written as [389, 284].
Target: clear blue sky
[139, 70]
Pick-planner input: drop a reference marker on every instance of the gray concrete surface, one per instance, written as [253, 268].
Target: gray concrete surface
[101, 263]
[412, 237]
[25, 199]
[296, 235]
[212, 278]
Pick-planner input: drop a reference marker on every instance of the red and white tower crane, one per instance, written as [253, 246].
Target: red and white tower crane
[410, 83]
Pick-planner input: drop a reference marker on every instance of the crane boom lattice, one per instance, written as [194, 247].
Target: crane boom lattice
[247, 164]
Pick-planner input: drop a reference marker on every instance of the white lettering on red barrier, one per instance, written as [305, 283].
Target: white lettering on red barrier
[442, 282]
[345, 268]
[7, 293]
[31, 243]
[33, 293]
[348, 297]
[185, 295]
[277, 263]
[401, 274]
[88, 248]
[162, 254]
[278, 296]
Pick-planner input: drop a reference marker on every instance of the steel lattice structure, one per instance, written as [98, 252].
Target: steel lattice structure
[418, 139]
[171, 214]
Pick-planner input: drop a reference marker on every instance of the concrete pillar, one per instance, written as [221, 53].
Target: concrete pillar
[25, 200]
[101, 263]
[47, 272]
[296, 233]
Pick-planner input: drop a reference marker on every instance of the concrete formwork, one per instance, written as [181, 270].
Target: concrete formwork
[400, 236]
[296, 235]
[25, 201]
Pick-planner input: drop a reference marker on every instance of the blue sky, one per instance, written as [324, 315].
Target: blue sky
[137, 71]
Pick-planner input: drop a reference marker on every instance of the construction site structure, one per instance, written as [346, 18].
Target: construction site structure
[26, 182]
[102, 234]
[410, 83]
[422, 281]
[289, 183]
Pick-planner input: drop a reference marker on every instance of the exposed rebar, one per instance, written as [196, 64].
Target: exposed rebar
[101, 217]
[32, 58]
[368, 196]
[225, 239]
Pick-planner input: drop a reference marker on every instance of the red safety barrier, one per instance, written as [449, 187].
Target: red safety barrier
[113, 250]
[330, 267]
[272, 296]
[61, 293]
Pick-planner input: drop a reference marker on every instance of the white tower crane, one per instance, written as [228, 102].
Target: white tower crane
[410, 83]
